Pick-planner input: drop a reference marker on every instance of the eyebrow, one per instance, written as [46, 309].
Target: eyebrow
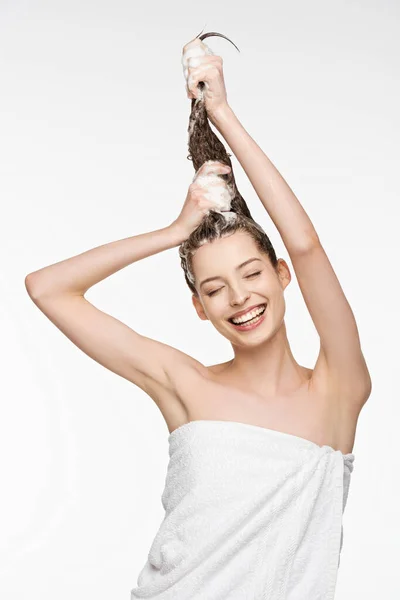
[246, 262]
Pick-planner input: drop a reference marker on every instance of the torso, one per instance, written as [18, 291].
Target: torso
[209, 393]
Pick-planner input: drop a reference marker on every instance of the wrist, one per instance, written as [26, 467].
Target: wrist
[221, 115]
[178, 234]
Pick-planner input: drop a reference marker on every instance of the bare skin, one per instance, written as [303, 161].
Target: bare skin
[215, 394]
[263, 384]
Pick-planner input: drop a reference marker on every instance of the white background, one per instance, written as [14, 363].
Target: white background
[93, 147]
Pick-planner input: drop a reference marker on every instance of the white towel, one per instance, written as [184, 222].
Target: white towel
[250, 514]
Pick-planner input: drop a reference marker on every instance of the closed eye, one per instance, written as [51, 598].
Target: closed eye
[213, 292]
[246, 277]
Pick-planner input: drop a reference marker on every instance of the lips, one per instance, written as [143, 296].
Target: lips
[250, 324]
[247, 310]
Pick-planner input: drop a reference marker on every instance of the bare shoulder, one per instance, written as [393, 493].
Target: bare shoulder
[216, 369]
[191, 392]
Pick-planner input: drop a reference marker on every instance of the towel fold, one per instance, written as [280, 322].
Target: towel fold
[250, 514]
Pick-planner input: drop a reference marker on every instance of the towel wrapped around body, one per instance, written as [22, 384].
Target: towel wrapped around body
[250, 514]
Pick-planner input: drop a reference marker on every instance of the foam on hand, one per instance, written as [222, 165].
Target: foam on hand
[217, 191]
[195, 49]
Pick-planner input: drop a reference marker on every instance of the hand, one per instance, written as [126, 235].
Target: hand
[201, 65]
[198, 203]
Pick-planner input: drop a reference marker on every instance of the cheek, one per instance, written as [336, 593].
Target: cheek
[278, 294]
[217, 311]
[279, 305]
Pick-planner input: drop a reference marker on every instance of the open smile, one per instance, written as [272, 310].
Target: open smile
[257, 316]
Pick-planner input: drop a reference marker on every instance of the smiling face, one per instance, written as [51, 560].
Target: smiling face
[233, 275]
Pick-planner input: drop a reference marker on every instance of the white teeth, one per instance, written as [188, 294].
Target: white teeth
[249, 315]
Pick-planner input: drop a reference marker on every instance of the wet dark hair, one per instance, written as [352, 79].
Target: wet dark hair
[204, 145]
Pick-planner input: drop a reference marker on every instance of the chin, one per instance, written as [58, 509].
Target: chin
[249, 339]
[251, 343]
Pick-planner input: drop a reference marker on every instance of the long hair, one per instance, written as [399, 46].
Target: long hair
[204, 145]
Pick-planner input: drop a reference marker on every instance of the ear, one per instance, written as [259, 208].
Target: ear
[283, 273]
[199, 308]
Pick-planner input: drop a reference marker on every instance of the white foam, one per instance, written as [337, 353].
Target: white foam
[217, 191]
[195, 49]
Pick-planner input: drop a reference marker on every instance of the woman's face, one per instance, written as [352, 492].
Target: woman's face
[235, 287]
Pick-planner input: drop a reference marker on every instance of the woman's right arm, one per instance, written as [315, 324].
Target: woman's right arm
[58, 291]
[76, 275]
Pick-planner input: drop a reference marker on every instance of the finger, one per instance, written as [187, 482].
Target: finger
[192, 44]
[212, 168]
[211, 163]
[206, 73]
[208, 180]
[206, 183]
[207, 205]
[205, 68]
[201, 61]
[215, 167]
[196, 61]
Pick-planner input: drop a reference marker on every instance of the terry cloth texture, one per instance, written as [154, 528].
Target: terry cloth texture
[250, 514]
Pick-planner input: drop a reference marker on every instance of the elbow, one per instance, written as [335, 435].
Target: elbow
[32, 287]
[39, 288]
[304, 247]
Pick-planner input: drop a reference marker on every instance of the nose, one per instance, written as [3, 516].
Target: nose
[239, 296]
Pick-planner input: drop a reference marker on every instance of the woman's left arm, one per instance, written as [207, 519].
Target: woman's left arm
[291, 220]
[340, 363]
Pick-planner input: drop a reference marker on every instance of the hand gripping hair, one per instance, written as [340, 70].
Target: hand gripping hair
[203, 144]
[231, 212]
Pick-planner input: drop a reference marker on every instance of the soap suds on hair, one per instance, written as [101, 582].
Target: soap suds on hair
[205, 147]
[216, 190]
[219, 192]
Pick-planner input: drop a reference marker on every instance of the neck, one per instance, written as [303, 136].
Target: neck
[269, 368]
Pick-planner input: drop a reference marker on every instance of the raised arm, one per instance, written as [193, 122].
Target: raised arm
[341, 365]
[58, 291]
[291, 220]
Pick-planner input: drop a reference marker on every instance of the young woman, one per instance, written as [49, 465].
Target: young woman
[260, 446]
